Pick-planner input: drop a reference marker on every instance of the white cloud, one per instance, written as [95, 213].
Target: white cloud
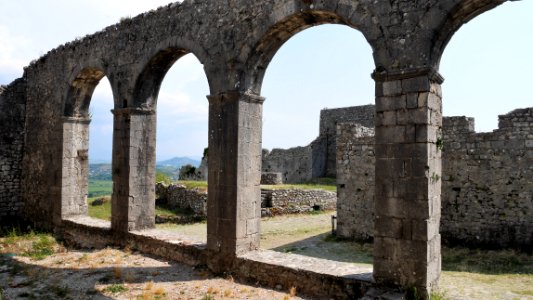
[178, 105]
[11, 64]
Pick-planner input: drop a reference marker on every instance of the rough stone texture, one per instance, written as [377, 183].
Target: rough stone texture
[236, 40]
[355, 181]
[12, 115]
[273, 202]
[271, 178]
[294, 201]
[487, 182]
[329, 118]
[295, 164]
[318, 159]
[179, 197]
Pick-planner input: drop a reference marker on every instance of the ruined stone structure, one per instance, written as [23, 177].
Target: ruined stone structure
[487, 182]
[273, 201]
[235, 41]
[318, 159]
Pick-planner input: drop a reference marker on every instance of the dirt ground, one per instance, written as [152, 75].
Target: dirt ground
[122, 274]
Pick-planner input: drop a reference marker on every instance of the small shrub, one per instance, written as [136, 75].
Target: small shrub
[116, 288]
[41, 248]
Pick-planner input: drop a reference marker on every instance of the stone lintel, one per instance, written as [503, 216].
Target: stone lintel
[129, 111]
[230, 96]
[431, 73]
[77, 120]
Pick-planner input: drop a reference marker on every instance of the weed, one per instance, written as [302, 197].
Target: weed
[208, 297]
[42, 248]
[116, 288]
[227, 293]
[292, 291]
[440, 143]
[435, 177]
[438, 295]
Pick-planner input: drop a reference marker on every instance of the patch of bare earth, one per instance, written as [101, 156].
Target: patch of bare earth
[117, 274]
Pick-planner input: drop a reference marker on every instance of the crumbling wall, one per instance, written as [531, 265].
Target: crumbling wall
[12, 117]
[318, 159]
[295, 164]
[487, 182]
[355, 180]
[295, 201]
[329, 118]
[487, 187]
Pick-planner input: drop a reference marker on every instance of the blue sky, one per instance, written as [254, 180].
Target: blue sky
[486, 67]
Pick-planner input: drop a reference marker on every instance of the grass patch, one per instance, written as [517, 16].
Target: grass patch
[486, 261]
[116, 288]
[191, 184]
[37, 246]
[327, 184]
[103, 211]
[99, 188]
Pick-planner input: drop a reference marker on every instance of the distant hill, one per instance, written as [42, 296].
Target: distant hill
[99, 171]
[178, 162]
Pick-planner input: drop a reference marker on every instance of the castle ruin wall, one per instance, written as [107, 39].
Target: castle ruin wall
[487, 182]
[12, 117]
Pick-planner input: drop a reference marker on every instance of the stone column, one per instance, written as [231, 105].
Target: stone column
[133, 202]
[408, 180]
[234, 201]
[75, 168]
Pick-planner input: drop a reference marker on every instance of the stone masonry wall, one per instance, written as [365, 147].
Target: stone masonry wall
[329, 118]
[273, 202]
[318, 159]
[12, 112]
[179, 197]
[293, 201]
[295, 164]
[355, 180]
[487, 182]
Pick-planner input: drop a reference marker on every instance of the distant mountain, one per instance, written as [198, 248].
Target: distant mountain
[178, 162]
[102, 171]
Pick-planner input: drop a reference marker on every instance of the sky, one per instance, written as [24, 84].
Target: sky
[486, 68]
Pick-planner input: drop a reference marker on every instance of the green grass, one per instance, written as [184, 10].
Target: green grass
[36, 246]
[100, 188]
[103, 212]
[190, 184]
[486, 261]
[327, 184]
[116, 288]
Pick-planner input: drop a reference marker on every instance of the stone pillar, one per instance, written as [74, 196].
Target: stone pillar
[234, 196]
[408, 180]
[75, 168]
[133, 202]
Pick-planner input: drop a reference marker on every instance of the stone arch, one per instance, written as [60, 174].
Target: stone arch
[283, 29]
[81, 87]
[149, 81]
[461, 14]
[75, 148]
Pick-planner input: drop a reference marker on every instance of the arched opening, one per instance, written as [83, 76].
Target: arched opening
[318, 79]
[487, 167]
[87, 140]
[175, 85]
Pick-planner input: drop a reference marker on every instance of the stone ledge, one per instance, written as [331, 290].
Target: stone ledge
[314, 276]
[310, 276]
